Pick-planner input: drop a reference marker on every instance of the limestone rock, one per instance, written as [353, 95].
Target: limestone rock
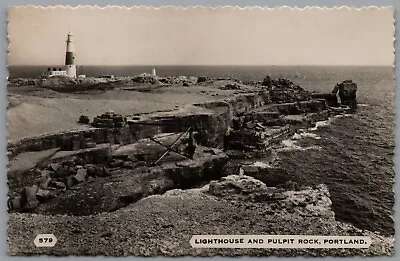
[145, 78]
[284, 91]
[347, 90]
[58, 184]
[80, 175]
[28, 197]
[43, 194]
[54, 166]
[15, 203]
[236, 184]
[44, 179]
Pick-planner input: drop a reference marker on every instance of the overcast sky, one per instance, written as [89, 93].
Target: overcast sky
[199, 36]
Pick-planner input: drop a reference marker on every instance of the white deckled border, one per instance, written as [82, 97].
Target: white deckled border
[177, 7]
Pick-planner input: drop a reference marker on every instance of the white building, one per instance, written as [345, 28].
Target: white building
[54, 72]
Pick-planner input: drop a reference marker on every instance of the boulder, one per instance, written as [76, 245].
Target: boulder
[83, 119]
[58, 184]
[43, 195]
[44, 182]
[45, 178]
[28, 197]
[15, 203]
[54, 167]
[80, 175]
[236, 184]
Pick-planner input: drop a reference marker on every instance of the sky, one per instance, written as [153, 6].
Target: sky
[201, 36]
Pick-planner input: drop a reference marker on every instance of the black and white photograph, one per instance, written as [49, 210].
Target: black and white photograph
[200, 131]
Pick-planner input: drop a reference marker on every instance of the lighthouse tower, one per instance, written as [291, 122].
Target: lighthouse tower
[70, 57]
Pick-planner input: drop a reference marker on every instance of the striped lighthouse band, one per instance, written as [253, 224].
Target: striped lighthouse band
[69, 58]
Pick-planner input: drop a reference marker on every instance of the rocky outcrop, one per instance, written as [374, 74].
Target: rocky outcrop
[270, 175]
[231, 86]
[24, 82]
[202, 79]
[347, 90]
[94, 188]
[344, 93]
[145, 78]
[59, 81]
[284, 91]
[241, 187]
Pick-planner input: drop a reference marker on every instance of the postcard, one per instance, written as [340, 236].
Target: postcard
[200, 131]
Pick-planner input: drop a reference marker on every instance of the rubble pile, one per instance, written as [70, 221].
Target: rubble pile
[75, 177]
[184, 79]
[56, 178]
[109, 119]
[231, 86]
[24, 82]
[285, 91]
[202, 79]
[251, 139]
[145, 78]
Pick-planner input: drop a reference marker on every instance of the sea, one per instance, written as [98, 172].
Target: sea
[352, 154]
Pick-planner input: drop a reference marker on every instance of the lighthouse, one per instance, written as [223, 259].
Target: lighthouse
[70, 57]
